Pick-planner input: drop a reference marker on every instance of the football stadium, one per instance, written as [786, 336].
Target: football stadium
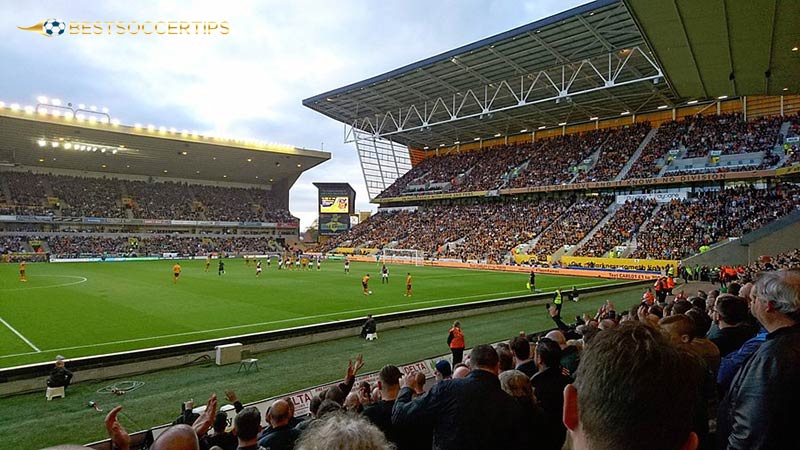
[582, 232]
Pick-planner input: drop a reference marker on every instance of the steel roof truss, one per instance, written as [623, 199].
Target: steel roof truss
[500, 97]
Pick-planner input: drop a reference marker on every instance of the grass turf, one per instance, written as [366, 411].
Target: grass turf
[158, 401]
[81, 309]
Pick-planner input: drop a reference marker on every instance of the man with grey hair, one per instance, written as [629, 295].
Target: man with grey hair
[341, 431]
[759, 410]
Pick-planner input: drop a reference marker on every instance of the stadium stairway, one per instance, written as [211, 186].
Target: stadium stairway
[6, 190]
[666, 166]
[595, 157]
[635, 157]
[631, 245]
[611, 211]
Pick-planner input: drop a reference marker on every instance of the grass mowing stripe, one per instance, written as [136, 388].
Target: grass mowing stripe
[318, 316]
[20, 335]
[135, 305]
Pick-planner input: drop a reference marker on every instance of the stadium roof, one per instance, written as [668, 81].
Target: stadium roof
[27, 139]
[590, 61]
[714, 48]
[556, 70]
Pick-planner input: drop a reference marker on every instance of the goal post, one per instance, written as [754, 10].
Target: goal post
[402, 255]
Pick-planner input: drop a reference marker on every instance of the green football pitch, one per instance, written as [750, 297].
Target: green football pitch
[82, 309]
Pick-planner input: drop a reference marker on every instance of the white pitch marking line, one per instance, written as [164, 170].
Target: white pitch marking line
[80, 280]
[294, 319]
[20, 335]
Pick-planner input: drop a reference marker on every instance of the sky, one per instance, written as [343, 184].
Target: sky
[251, 82]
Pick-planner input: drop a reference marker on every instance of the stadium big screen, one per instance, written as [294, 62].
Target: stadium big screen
[336, 204]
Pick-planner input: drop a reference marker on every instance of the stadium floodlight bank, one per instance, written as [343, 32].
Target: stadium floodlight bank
[402, 255]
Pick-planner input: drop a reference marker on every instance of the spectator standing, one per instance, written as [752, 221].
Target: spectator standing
[281, 435]
[471, 413]
[610, 406]
[758, 412]
[548, 387]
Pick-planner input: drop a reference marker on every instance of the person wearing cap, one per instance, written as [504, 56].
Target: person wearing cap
[443, 371]
[60, 375]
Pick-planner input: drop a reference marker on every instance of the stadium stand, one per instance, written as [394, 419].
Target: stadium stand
[615, 152]
[680, 228]
[600, 155]
[572, 226]
[730, 134]
[623, 225]
[76, 245]
[74, 196]
[667, 138]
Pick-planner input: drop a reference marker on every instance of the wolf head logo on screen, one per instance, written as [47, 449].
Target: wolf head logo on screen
[48, 28]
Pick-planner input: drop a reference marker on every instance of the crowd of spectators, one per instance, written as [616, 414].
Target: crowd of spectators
[667, 138]
[621, 227]
[112, 198]
[75, 245]
[548, 161]
[488, 231]
[731, 134]
[680, 228]
[726, 358]
[161, 200]
[558, 160]
[28, 192]
[87, 197]
[469, 232]
[554, 161]
[615, 153]
[573, 225]
[12, 244]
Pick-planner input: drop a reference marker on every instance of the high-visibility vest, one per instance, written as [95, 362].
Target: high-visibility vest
[458, 338]
[557, 299]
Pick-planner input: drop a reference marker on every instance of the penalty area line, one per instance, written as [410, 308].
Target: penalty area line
[13, 330]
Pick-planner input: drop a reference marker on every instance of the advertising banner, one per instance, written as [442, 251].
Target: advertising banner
[333, 224]
[334, 205]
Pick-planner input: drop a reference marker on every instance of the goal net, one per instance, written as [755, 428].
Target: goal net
[402, 255]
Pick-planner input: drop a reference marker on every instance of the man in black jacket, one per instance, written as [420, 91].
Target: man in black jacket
[369, 328]
[467, 413]
[60, 375]
[733, 328]
[548, 387]
[281, 436]
[759, 410]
